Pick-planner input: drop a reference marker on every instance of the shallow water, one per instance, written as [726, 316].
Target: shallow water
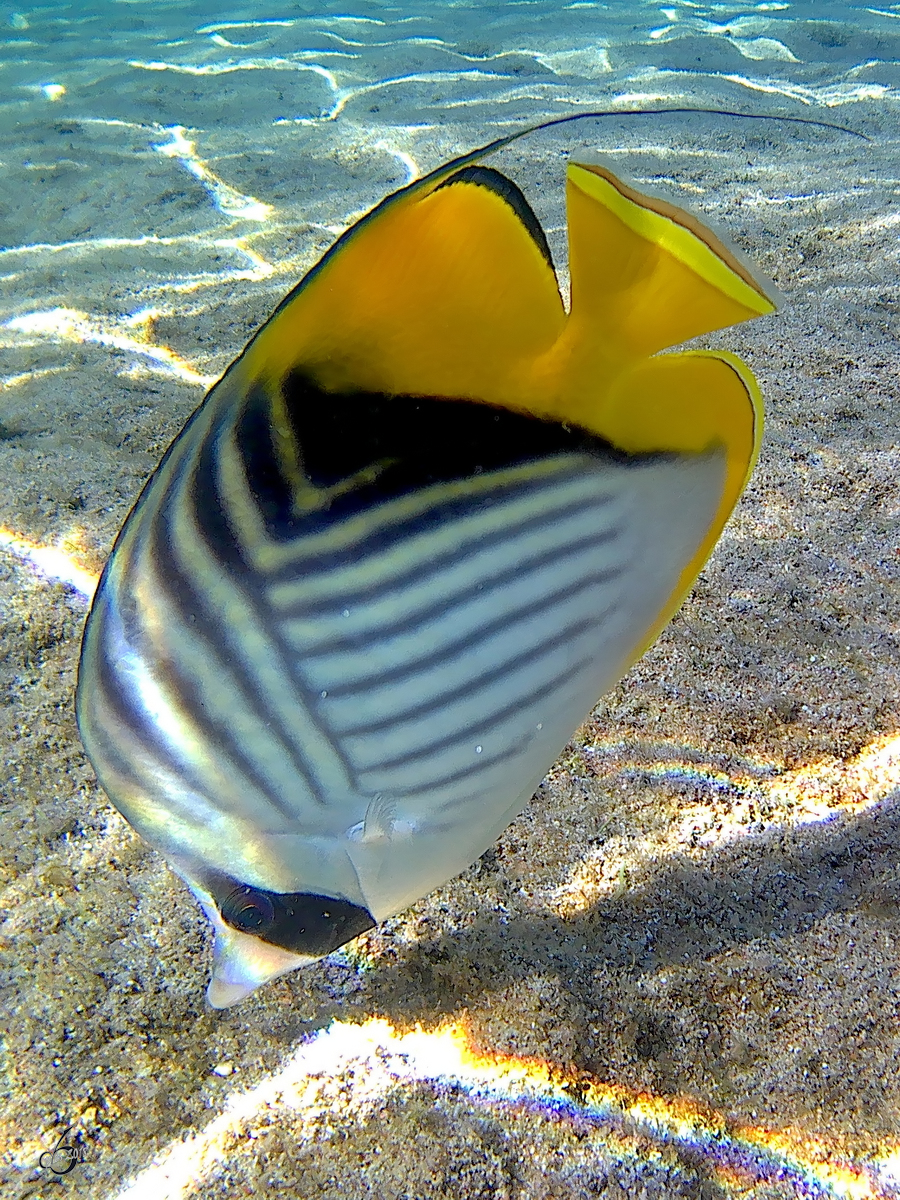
[679, 966]
[173, 131]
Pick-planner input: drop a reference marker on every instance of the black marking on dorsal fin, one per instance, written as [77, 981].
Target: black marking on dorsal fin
[383, 447]
[508, 191]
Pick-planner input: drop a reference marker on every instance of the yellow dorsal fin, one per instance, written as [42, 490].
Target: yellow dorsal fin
[447, 289]
[443, 292]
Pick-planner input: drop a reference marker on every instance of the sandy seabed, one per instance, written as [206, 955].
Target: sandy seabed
[675, 975]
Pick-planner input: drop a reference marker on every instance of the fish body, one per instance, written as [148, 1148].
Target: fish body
[418, 527]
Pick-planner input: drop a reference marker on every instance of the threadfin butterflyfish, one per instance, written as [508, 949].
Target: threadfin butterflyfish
[418, 527]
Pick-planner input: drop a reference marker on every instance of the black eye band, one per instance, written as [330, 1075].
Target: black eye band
[248, 910]
[302, 922]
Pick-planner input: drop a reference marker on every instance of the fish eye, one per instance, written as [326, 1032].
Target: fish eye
[303, 922]
[247, 910]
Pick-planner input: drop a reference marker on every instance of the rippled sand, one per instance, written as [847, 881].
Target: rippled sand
[676, 973]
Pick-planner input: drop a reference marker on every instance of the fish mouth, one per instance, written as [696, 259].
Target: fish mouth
[242, 963]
